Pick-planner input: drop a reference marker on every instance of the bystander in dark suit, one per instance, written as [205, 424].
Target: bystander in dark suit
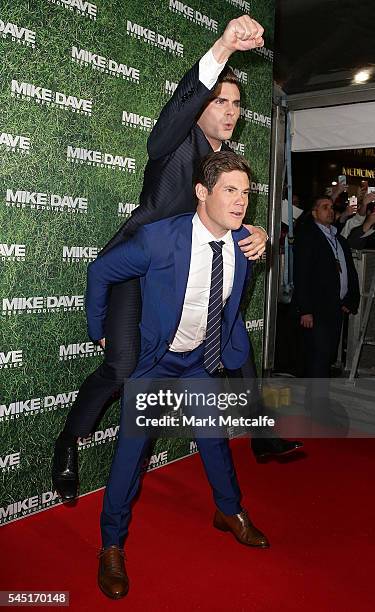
[325, 287]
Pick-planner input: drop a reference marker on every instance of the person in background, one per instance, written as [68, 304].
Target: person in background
[363, 236]
[325, 287]
[351, 214]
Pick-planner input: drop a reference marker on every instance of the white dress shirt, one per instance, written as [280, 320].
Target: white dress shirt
[330, 232]
[191, 331]
[209, 69]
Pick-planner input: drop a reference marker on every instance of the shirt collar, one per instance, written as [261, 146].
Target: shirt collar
[329, 230]
[204, 236]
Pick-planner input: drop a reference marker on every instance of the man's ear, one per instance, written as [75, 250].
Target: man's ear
[313, 212]
[201, 192]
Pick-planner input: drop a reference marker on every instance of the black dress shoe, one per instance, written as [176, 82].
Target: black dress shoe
[277, 447]
[65, 469]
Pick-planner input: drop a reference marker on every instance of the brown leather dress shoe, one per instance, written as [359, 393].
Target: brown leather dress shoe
[112, 577]
[241, 527]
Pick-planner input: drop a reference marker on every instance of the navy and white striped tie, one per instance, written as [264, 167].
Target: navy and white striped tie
[212, 348]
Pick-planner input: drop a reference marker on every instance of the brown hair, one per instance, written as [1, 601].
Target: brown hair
[227, 75]
[214, 164]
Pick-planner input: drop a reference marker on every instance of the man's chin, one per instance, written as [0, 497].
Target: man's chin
[235, 225]
[226, 135]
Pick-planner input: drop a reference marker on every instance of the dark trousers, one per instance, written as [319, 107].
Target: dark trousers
[320, 352]
[120, 359]
[321, 344]
[130, 452]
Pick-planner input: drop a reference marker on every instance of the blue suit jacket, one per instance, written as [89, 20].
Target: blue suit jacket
[159, 254]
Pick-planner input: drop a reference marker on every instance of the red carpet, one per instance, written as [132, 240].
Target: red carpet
[318, 513]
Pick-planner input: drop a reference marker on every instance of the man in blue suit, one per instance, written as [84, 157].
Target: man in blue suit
[193, 275]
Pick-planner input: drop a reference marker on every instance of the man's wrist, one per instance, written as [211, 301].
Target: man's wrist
[262, 228]
[209, 69]
[220, 52]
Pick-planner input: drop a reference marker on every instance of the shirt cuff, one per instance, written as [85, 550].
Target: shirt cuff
[209, 69]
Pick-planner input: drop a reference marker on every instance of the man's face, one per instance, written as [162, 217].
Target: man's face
[224, 208]
[220, 116]
[324, 213]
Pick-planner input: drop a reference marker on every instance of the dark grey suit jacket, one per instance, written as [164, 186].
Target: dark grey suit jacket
[175, 146]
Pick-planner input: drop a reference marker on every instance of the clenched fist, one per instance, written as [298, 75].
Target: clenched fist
[241, 34]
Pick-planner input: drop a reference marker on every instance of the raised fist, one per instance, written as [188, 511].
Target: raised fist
[243, 34]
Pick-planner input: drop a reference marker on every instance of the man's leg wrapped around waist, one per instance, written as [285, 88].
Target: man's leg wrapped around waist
[120, 359]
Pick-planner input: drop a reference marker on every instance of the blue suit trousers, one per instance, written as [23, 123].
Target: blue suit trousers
[130, 453]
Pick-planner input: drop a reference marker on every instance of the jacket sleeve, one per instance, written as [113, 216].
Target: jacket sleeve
[351, 223]
[178, 115]
[303, 260]
[245, 288]
[355, 238]
[127, 260]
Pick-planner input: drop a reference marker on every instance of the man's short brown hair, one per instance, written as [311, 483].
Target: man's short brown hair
[227, 75]
[214, 164]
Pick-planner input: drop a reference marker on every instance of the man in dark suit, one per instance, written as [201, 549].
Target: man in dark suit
[200, 116]
[325, 287]
[191, 323]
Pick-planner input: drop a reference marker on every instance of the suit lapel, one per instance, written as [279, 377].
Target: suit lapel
[182, 256]
[240, 269]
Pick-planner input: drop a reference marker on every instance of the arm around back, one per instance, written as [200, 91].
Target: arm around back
[130, 259]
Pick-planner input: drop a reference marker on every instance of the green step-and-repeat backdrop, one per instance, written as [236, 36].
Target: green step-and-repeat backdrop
[81, 86]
